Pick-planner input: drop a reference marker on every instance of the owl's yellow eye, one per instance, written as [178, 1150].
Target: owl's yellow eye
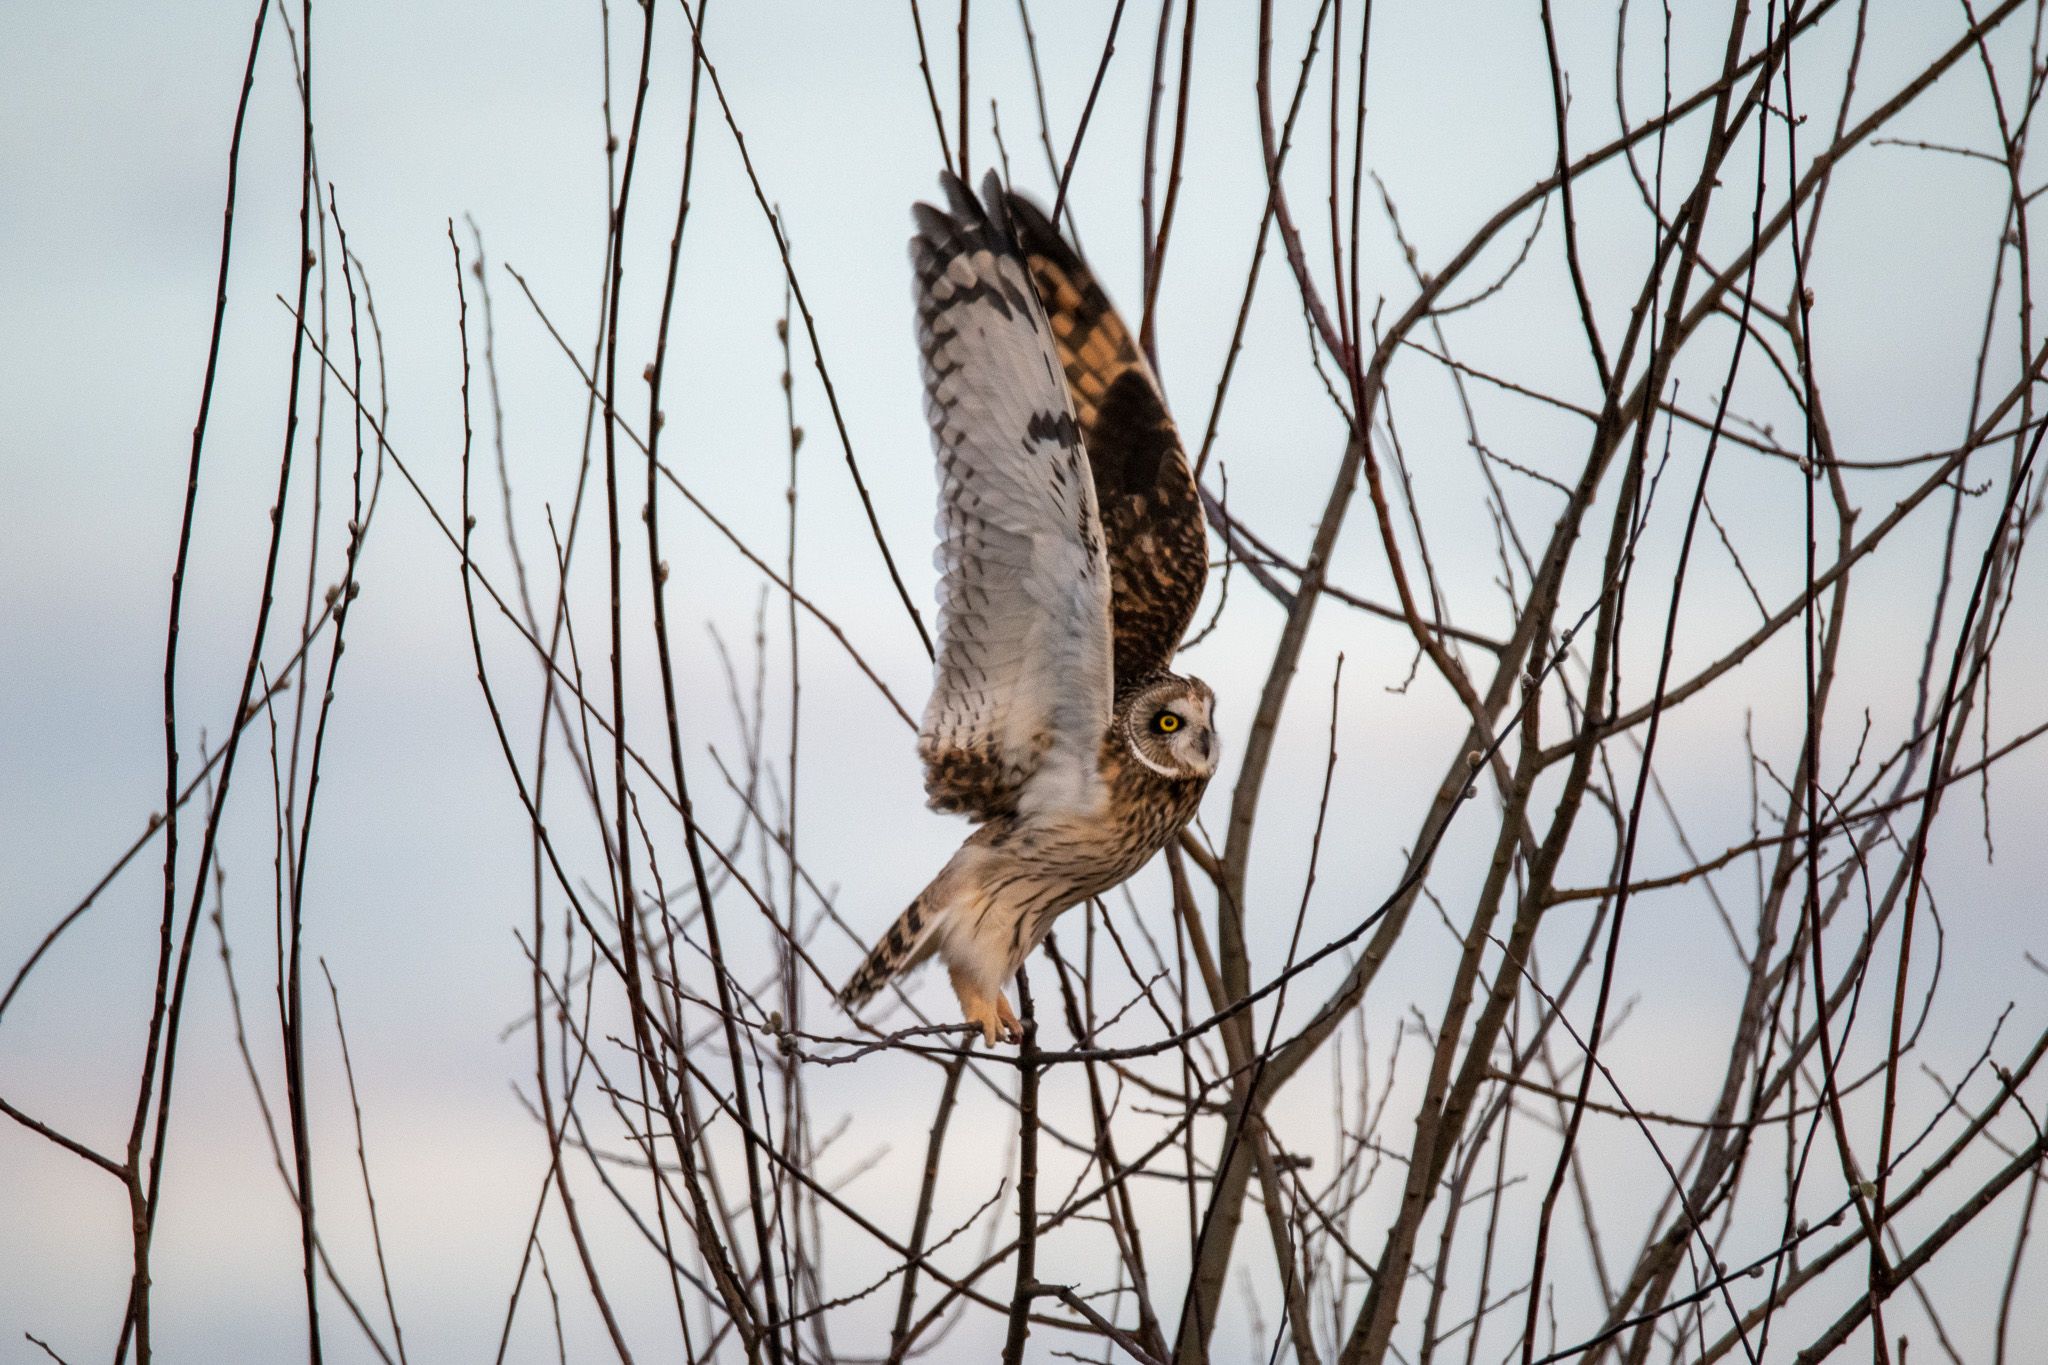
[1167, 723]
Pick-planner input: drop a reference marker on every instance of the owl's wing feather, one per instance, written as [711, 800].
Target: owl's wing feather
[1151, 513]
[1022, 682]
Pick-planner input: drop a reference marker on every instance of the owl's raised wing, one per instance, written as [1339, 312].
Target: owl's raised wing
[1151, 514]
[1022, 682]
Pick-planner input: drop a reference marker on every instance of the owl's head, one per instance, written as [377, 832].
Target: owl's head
[1167, 726]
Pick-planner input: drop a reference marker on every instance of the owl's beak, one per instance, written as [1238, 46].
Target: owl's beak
[1208, 744]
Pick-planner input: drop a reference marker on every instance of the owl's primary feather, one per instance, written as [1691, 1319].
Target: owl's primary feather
[1065, 586]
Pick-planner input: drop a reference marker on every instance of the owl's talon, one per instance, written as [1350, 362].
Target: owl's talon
[990, 1013]
[984, 1012]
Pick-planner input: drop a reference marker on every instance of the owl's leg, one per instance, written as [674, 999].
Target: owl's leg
[985, 1008]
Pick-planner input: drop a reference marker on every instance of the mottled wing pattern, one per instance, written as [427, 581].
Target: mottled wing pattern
[1023, 682]
[1151, 514]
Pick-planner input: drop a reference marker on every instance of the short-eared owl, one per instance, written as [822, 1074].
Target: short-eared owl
[1071, 557]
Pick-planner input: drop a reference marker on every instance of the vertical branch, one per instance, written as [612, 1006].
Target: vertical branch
[810, 327]
[1634, 822]
[1155, 243]
[965, 166]
[363, 1165]
[529, 799]
[165, 1019]
[138, 1302]
[1146, 233]
[344, 594]
[1059, 200]
[931, 93]
[1560, 106]
[769, 1334]
[795, 1119]
[1027, 1179]
[920, 1224]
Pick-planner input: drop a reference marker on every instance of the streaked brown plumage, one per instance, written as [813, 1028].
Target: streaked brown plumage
[1072, 556]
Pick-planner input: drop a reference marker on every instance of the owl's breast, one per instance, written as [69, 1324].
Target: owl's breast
[1146, 811]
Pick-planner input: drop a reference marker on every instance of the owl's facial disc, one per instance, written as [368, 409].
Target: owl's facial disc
[1170, 731]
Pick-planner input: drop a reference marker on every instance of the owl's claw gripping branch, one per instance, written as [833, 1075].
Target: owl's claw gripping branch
[986, 1010]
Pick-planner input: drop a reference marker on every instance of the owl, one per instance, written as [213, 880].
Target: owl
[1071, 555]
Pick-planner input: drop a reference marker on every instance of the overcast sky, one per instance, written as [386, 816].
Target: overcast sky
[114, 122]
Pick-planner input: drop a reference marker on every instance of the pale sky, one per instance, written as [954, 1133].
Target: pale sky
[114, 121]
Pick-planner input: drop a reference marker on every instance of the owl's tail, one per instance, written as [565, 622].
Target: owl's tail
[910, 940]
